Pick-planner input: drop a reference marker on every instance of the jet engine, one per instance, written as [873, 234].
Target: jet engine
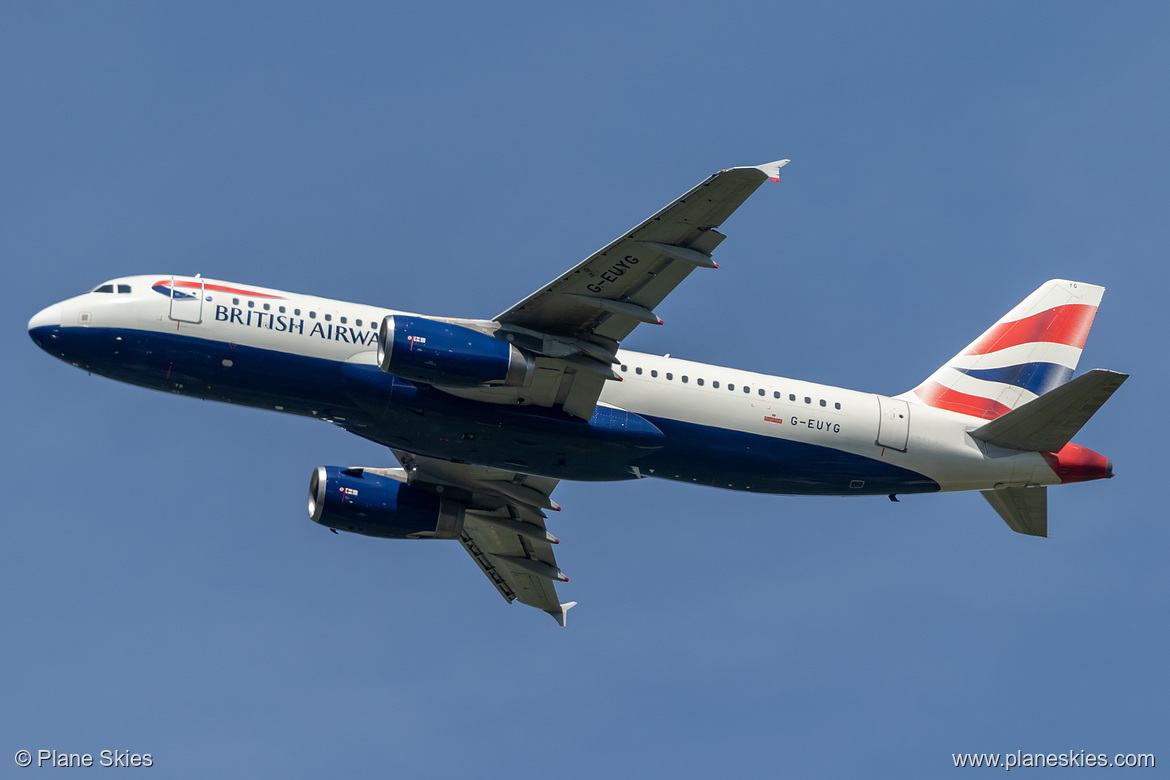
[371, 504]
[441, 353]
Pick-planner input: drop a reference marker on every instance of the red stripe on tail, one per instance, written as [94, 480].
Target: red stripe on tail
[934, 394]
[1068, 324]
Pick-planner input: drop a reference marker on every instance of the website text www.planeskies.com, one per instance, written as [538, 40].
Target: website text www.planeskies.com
[1070, 758]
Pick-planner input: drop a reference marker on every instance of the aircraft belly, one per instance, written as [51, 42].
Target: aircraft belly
[767, 464]
[531, 440]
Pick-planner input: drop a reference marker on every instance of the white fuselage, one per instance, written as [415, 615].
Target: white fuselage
[803, 421]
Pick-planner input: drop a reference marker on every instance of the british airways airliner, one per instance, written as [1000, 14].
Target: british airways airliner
[485, 417]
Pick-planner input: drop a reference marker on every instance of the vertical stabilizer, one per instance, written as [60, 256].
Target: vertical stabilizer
[1033, 348]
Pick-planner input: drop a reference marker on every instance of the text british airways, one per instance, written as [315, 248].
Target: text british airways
[283, 323]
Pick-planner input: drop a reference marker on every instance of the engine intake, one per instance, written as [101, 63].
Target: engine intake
[440, 353]
[365, 503]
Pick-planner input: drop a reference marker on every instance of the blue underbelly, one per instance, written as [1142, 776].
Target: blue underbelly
[762, 464]
[613, 445]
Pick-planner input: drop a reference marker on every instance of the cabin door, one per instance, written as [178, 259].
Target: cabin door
[894, 423]
[187, 300]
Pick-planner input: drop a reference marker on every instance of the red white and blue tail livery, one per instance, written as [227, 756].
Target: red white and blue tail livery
[485, 417]
[1034, 348]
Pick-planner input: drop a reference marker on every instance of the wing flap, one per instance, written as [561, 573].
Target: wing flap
[583, 394]
[489, 568]
[519, 566]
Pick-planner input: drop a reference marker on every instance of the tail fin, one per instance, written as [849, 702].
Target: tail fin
[1033, 348]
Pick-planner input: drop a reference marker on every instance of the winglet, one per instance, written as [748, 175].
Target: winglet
[772, 169]
[563, 615]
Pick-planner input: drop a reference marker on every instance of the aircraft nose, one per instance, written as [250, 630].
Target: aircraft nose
[49, 317]
[45, 326]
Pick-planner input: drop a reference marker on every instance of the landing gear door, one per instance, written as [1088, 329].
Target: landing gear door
[187, 300]
[893, 424]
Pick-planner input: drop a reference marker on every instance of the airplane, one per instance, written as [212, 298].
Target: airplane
[486, 417]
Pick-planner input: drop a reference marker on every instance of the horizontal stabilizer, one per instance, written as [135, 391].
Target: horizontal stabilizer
[1049, 422]
[1024, 509]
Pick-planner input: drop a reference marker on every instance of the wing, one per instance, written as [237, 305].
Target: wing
[609, 293]
[503, 527]
[574, 324]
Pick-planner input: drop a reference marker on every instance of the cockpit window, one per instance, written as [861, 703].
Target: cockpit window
[105, 288]
[123, 289]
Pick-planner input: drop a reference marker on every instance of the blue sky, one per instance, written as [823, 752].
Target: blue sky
[163, 590]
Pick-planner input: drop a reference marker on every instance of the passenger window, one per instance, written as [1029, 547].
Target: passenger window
[328, 317]
[358, 323]
[747, 389]
[297, 312]
[267, 307]
[700, 381]
[312, 315]
[823, 402]
[343, 320]
[684, 378]
[776, 394]
[731, 387]
[282, 310]
[837, 406]
[251, 304]
[654, 373]
[123, 288]
[715, 383]
[235, 301]
[670, 376]
[638, 370]
[624, 369]
[807, 400]
[792, 396]
[761, 391]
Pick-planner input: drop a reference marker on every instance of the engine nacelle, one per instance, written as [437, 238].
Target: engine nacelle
[440, 353]
[365, 503]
